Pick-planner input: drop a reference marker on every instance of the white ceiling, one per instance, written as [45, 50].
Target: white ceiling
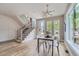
[33, 10]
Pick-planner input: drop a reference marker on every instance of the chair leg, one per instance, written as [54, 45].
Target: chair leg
[43, 48]
[49, 48]
[46, 45]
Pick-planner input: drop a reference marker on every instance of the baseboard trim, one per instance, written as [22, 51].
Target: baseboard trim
[62, 41]
[7, 41]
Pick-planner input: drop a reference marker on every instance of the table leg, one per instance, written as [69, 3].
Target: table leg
[38, 44]
[52, 48]
[58, 50]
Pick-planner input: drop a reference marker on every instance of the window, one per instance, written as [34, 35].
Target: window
[24, 19]
[76, 20]
[33, 23]
[57, 27]
[41, 26]
[71, 25]
[77, 16]
[49, 26]
[73, 18]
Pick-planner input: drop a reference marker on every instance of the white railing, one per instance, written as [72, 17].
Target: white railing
[23, 32]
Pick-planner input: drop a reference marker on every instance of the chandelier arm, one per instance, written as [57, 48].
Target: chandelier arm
[47, 12]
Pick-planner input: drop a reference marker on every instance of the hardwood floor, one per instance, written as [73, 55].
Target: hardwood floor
[26, 48]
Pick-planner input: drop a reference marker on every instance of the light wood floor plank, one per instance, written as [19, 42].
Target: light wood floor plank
[26, 48]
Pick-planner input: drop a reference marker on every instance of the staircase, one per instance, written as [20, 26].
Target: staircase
[23, 32]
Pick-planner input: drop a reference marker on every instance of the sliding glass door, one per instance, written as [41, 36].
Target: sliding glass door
[57, 28]
[49, 26]
[41, 26]
[53, 26]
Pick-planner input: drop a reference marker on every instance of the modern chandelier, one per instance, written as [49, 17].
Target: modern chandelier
[48, 12]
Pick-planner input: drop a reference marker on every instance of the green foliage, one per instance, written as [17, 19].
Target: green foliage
[77, 22]
[49, 25]
[24, 18]
[77, 16]
[74, 17]
[56, 25]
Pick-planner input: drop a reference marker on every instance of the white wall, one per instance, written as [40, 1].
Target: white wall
[8, 28]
